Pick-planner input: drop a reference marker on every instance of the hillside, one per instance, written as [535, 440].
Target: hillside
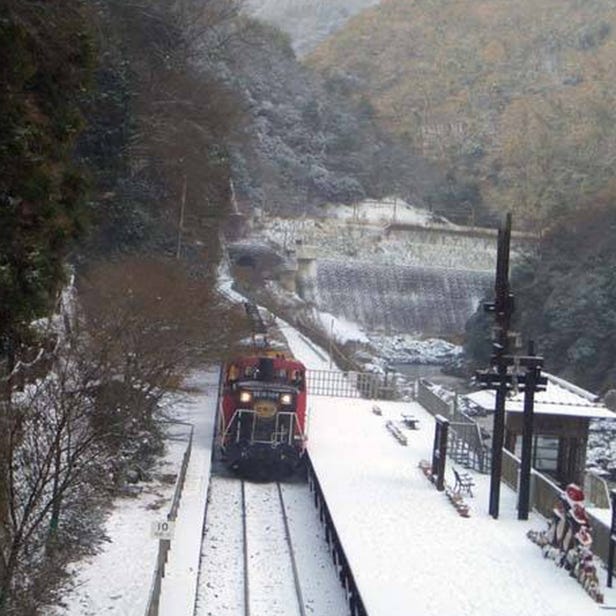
[304, 143]
[307, 22]
[515, 98]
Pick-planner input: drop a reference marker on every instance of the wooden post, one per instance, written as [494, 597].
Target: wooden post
[527, 437]
[610, 558]
[503, 308]
[439, 452]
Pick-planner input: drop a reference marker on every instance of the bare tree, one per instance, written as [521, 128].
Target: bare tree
[52, 451]
[149, 322]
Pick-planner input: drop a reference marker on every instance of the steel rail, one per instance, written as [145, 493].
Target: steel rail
[245, 544]
[287, 532]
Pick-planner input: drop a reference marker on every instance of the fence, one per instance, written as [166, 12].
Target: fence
[465, 446]
[432, 402]
[356, 604]
[165, 544]
[349, 384]
[464, 441]
[596, 490]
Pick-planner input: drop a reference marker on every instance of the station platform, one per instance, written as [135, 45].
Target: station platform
[410, 551]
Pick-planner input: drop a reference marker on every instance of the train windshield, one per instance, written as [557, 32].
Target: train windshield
[266, 370]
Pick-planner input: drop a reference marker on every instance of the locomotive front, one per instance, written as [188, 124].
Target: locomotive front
[263, 416]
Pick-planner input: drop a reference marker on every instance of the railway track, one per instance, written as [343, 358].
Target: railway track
[264, 552]
[271, 581]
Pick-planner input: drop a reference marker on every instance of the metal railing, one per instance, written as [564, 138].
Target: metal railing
[164, 545]
[434, 404]
[465, 446]
[347, 579]
[349, 384]
[464, 442]
[596, 490]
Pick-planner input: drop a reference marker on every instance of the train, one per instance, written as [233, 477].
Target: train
[262, 415]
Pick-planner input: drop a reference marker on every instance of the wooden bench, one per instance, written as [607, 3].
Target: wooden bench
[410, 421]
[393, 428]
[464, 482]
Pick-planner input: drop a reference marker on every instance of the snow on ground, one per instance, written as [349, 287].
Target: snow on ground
[409, 550]
[118, 579]
[407, 349]
[321, 588]
[112, 581]
[339, 329]
[179, 585]
[219, 593]
[383, 211]
[272, 590]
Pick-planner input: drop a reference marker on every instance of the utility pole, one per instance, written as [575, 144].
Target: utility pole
[533, 382]
[502, 307]
[502, 380]
[181, 220]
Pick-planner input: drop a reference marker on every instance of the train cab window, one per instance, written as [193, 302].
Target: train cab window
[234, 373]
[281, 375]
[297, 378]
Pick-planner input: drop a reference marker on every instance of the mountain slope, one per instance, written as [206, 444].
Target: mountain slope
[307, 22]
[517, 96]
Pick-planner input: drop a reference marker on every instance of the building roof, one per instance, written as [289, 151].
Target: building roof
[560, 398]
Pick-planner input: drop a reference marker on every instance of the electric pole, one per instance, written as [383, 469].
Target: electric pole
[499, 377]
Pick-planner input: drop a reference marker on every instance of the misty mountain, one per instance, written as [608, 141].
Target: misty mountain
[515, 99]
[307, 22]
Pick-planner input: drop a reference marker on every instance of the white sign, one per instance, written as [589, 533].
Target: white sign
[163, 529]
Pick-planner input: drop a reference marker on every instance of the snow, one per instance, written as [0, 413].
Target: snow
[340, 329]
[408, 548]
[219, 593]
[272, 592]
[113, 581]
[559, 398]
[385, 211]
[179, 586]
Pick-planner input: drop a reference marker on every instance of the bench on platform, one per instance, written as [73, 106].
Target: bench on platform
[410, 421]
[393, 428]
[464, 482]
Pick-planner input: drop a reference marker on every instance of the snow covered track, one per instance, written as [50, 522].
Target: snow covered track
[271, 578]
[265, 557]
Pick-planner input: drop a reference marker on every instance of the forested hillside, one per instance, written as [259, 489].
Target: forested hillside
[47, 65]
[306, 143]
[516, 99]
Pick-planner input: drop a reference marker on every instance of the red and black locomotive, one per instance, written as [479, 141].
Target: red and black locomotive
[263, 415]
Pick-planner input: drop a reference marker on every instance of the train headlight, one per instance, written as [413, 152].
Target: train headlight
[245, 396]
[286, 399]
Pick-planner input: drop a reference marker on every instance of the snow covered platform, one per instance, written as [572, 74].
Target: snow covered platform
[179, 585]
[409, 550]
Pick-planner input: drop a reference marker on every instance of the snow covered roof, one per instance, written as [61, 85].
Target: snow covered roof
[559, 398]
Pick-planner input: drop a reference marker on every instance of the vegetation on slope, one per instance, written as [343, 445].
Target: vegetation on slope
[565, 296]
[306, 144]
[515, 98]
[48, 57]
